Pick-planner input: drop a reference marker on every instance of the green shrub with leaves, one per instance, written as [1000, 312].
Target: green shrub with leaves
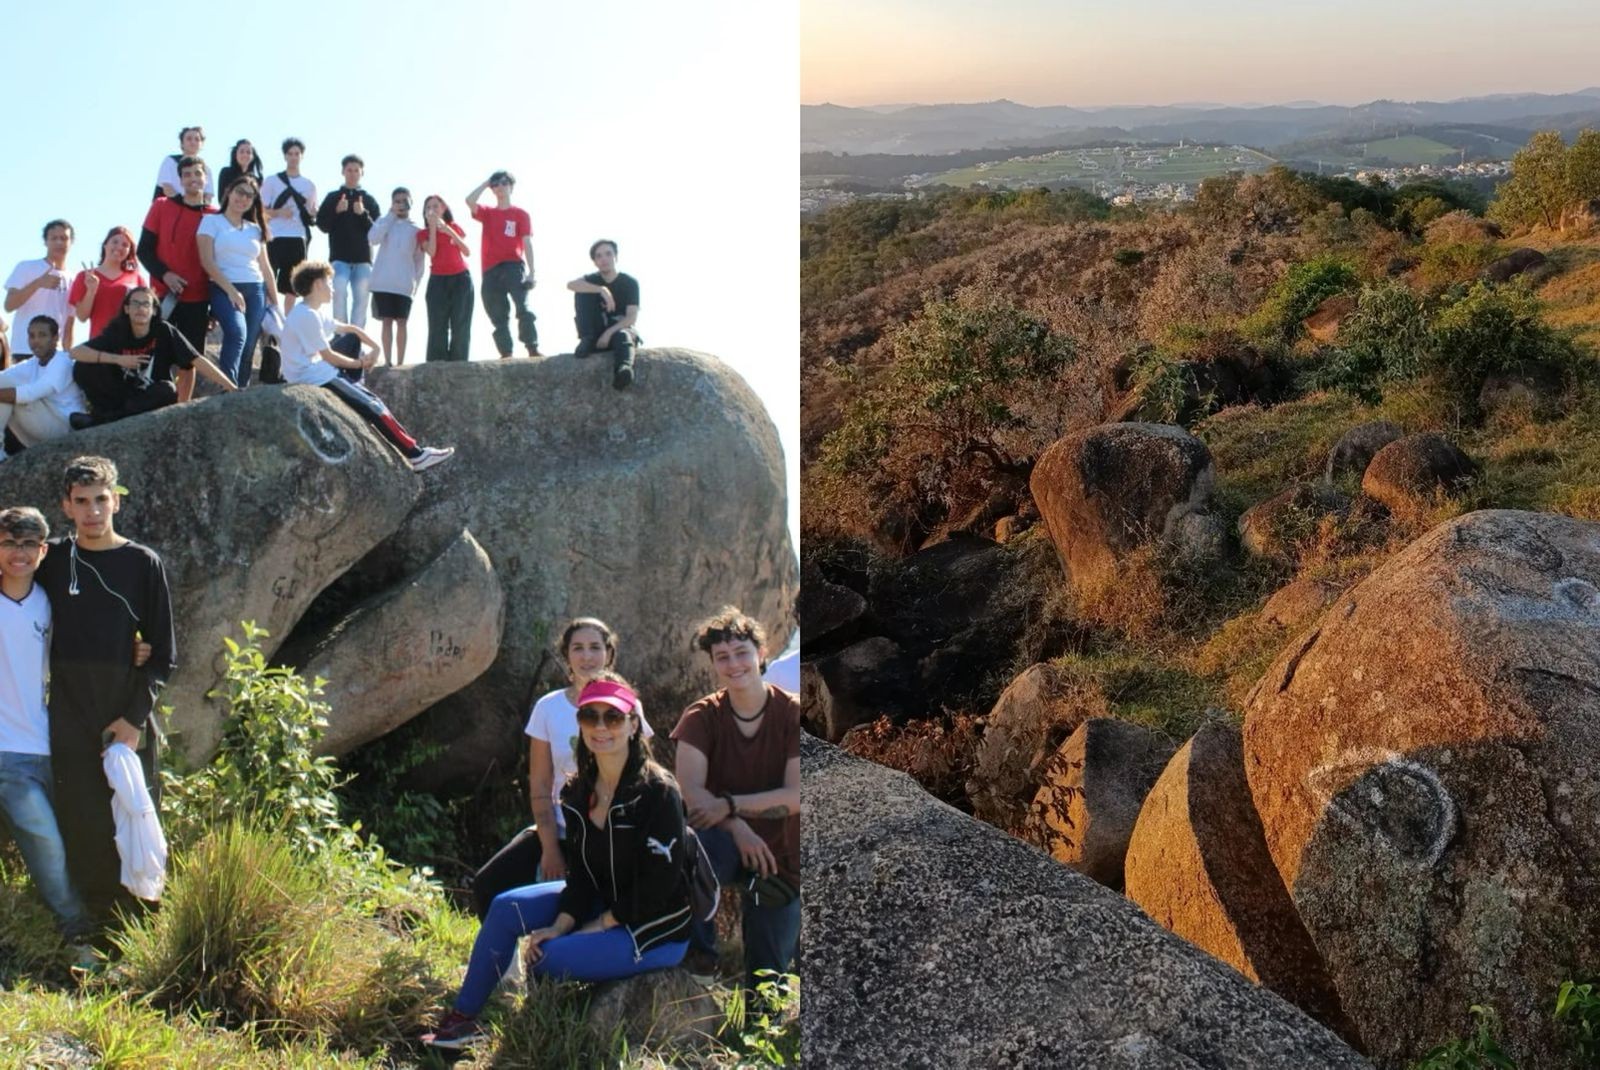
[1578, 1009]
[1478, 1051]
[266, 771]
[1295, 296]
[1494, 329]
[765, 1028]
[1385, 338]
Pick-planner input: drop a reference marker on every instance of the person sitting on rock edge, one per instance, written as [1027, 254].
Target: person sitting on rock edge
[37, 396]
[588, 646]
[739, 767]
[309, 357]
[624, 907]
[606, 307]
[129, 367]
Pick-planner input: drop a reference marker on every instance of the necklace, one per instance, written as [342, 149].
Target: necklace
[754, 717]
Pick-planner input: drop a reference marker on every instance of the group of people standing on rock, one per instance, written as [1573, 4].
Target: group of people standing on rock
[150, 301]
[598, 887]
[86, 643]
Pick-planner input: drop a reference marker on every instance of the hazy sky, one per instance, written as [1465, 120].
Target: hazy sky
[670, 128]
[1097, 52]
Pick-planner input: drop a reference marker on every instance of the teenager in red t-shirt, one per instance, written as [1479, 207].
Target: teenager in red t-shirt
[97, 292]
[169, 251]
[449, 293]
[507, 263]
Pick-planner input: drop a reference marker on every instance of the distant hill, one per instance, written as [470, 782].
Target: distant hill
[944, 128]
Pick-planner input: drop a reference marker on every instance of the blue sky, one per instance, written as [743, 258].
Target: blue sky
[668, 127]
[1169, 51]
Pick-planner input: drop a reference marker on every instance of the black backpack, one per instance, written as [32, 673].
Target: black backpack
[300, 202]
[705, 891]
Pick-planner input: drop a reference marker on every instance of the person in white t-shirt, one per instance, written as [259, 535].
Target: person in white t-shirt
[38, 395]
[309, 357]
[588, 645]
[26, 779]
[233, 252]
[39, 287]
[168, 183]
[291, 200]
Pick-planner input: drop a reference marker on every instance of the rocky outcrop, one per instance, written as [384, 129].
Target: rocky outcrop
[1425, 767]
[1356, 448]
[1198, 865]
[1112, 489]
[1298, 603]
[409, 647]
[649, 508]
[933, 940]
[256, 501]
[663, 1010]
[826, 608]
[1032, 718]
[1278, 528]
[1415, 469]
[860, 682]
[1512, 264]
[1324, 322]
[1090, 793]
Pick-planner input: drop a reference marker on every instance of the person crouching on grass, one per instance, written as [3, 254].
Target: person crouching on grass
[624, 907]
[309, 357]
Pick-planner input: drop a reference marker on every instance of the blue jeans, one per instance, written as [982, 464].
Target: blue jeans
[239, 329]
[598, 956]
[350, 284]
[25, 800]
[771, 934]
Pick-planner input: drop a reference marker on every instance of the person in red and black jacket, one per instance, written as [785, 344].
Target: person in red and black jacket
[170, 252]
[624, 907]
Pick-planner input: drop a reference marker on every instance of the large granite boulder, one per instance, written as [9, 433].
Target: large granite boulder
[860, 682]
[1090, 794]
[649, 508]
[1198, 865]
[1115, 488]
[1032, 718]
[1356, 448]
[1279, 528]
[1425, 766]
[256, 501]
[407, 648]
[1415, 469]
[931, 940]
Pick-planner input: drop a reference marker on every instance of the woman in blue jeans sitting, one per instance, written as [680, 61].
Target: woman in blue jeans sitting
[233, 252]
[624, 907]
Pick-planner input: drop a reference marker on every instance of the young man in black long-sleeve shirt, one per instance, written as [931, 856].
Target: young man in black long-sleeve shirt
[105, 592]
[345, 216]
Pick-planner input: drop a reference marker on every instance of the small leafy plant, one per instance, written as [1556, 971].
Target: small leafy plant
[1481, 1049]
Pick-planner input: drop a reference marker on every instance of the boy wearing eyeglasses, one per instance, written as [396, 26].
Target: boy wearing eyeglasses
[26, 783]
[738, 767]
[106, 592]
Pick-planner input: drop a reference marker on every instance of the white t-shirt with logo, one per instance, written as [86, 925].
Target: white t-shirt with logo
[237, 249]
[24, 654]
[45, 301]
[555, 720]
[306, 333]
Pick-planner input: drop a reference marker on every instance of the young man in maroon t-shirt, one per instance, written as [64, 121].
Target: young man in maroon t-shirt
[507, 263]
[169, 252]
[738, 767]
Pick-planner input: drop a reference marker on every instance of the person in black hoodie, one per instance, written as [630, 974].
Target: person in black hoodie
[345, 216]
[624, 907]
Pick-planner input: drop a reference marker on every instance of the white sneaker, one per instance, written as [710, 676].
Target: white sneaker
[430, 457]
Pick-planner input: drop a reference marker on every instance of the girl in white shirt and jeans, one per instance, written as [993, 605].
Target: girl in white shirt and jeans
[233, 251]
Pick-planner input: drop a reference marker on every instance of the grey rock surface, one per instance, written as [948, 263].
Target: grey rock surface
[1032, 718]
[1356, 448]
[409, 647]
[931, 940]
[256, 501]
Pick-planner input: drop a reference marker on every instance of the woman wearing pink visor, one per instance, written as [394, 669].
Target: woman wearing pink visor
[624, 907]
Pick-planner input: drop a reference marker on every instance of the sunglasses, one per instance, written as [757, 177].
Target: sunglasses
[609, 716]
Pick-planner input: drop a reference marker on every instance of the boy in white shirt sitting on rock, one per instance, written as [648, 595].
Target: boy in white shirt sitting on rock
[38, 395]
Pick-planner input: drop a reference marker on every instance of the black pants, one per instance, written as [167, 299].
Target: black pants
[504, 288]
[191, 318]
[83, 812]
[285, 254]
[514, 865]
[449, 300]
[371, 408]
[114, 392]
[592, 320]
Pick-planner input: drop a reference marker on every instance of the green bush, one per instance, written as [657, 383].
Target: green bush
[1385, 338]
[1578, 1008]
[1297, 295]
[1481, 1049]
[1493, 329]
[266, 771]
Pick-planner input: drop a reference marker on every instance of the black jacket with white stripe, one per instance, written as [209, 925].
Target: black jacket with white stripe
[634, 867]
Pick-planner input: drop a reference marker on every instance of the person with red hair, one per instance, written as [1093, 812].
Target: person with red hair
[97, 293]
[449, 293]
